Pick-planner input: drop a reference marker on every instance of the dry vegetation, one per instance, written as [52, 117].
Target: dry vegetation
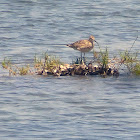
[100, 64]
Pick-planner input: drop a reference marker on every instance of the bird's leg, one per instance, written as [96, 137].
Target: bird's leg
[81, 58]
[84, 58]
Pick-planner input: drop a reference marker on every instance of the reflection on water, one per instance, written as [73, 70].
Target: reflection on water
[78, 107]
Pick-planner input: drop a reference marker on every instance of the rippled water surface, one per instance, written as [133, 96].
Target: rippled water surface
[78, 107]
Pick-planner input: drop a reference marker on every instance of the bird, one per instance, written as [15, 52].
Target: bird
[83, 45]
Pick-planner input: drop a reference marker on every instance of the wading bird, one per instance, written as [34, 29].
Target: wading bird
[83, 45]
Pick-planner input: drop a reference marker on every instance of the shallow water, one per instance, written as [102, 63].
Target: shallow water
[78, 107]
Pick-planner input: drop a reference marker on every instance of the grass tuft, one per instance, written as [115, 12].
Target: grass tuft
[104, 58]
[136, 69]
[24, 70]
[6, 63]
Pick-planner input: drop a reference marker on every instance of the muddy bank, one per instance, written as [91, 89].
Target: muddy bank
[77, 69]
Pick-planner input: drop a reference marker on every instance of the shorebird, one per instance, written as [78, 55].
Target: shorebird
[83, 45]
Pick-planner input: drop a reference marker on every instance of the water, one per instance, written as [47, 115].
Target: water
[78, 107]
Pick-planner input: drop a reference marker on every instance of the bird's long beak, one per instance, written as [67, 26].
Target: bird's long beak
[96, 42]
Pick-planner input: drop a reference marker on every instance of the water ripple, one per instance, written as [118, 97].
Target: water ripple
[72, 107]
